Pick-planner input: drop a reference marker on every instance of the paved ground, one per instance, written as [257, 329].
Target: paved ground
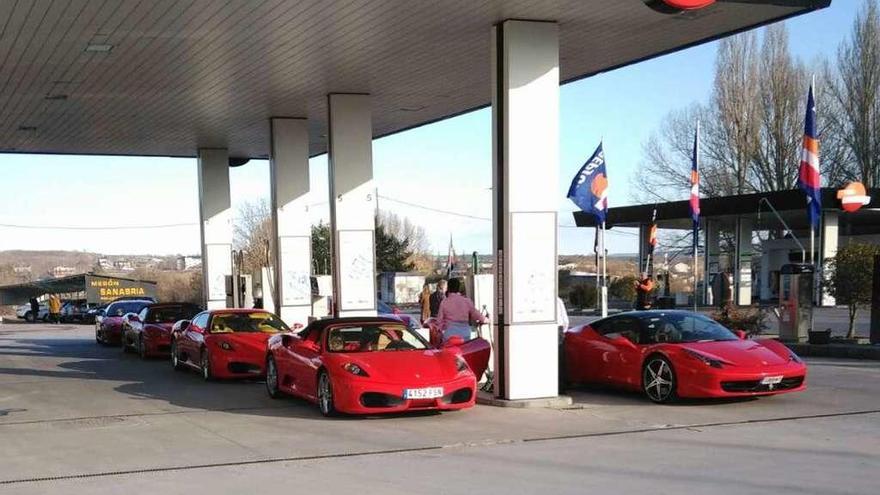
[79, 418]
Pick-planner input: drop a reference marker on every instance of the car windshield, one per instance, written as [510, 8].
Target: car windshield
[683, 327]
[171, 314]
[256, 322]
[375, 337]
[121, 308]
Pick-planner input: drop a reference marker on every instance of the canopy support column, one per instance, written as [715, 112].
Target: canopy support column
[215, 213]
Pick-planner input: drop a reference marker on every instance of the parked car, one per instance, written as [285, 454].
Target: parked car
[387, 311]
[671, 354]
[225, 343]
[149, 332]
[109, 325]
[94, 314]
[368, 365]
[74, 311]
[24, 312]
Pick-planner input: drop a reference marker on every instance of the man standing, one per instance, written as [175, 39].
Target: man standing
[35, 309]
[644, 286]
[54, 309]
[437, 297]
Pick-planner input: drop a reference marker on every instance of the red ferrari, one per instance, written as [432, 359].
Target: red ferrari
[149, 332]
[368, 365]
[224, 343]
[109, 329]
[670, 354]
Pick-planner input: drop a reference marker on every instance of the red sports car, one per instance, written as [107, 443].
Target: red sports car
[225, 343]
[670, 354]
[149, 332]
[109, 330]
[368, 365]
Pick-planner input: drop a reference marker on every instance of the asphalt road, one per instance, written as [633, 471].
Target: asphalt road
[79, 418]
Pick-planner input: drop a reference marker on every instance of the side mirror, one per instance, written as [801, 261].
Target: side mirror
[454, 341]
[286, 339]
[183, 325]
[102, 312]
[741, 334]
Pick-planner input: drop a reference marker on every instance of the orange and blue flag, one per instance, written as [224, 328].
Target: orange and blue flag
[808, 174]
[589, 188]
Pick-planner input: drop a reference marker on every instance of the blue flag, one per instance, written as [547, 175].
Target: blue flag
[589, 187]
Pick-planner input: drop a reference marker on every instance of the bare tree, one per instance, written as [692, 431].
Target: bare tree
[252, 231]
[855, 91]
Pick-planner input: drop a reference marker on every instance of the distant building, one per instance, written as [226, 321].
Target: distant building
[22, 269]
[62, 271]
[188, 262]
[124, 265]
[105, 264]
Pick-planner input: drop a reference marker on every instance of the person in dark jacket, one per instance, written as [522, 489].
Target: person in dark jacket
[437, 297]
[35, 309]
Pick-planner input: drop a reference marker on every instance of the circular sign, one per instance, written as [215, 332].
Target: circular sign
[853, 196]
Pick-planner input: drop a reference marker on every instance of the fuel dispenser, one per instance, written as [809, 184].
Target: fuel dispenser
[795, 301]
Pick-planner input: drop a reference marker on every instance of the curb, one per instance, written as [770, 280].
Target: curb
[846, 351]
[559, 402]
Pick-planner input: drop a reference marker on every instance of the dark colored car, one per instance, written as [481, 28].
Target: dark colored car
[109, 330]
[149, 332]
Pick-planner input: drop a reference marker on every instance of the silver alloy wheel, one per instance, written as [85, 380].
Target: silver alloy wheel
[325, 394]
[658, 381]
[206, 365]
[271, 377]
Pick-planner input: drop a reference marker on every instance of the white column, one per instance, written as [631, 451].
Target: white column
[215, 212]
[352, 204]
[525, 134]
[742, 273]
[289, 176]
[830, 239]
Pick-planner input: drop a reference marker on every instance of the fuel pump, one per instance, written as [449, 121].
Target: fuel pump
[795, 301]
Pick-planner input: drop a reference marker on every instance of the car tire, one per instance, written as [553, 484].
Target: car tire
[29, 317]
[325, 395]
[141, 350]
[125, 348]
[658, 380]
[205, 365]
[175, 357]
[272, 378]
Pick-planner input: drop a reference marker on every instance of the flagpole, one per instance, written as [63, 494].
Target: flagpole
[696, 225]
[604, 290]
[596, 251]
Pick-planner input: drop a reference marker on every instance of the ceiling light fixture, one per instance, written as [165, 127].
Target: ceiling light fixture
[27, 128]
[59, 97]
[99, 47]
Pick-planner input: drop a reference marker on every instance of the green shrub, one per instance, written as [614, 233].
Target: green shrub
[583, 296]
[751, 320]
[624, 288]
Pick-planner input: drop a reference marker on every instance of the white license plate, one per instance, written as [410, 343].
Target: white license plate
[423, 393]
[771, 380]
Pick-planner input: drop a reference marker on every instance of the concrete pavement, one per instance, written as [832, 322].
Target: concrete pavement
[79, 418]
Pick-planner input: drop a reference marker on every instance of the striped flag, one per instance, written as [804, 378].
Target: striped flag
[808, 175]
[695, 181]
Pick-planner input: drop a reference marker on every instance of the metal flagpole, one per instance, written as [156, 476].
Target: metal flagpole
[604, 290]
[696, 226]
[596, 251]
[696, 247]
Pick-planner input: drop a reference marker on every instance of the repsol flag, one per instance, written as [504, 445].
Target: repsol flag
[589, 188]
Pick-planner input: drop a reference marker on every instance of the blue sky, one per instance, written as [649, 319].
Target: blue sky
[448, 164]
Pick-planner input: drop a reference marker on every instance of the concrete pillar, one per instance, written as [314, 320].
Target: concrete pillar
[525, 136]
[215, 212]
[711, 259]
[352, 205]
[742, 272]
[289, 177]
[830, 239]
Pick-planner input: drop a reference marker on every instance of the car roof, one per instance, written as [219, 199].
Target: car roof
[129, 301]
[326, 322]
[172, 305]
[652, 312]
[238, 310]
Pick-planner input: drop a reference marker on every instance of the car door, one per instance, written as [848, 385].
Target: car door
[305, 359]
[623, 357]
[476, 353]
[193, 337]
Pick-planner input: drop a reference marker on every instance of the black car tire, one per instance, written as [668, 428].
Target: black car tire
[272, 378]
[205, 365]
[175, 357]
[141, 350]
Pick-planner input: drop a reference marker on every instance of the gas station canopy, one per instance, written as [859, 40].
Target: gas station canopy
[169, 77]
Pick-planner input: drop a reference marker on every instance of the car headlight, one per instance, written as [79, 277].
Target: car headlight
[460, 364]
[705, 359]
[794, 357]
[354, 369]
[226, 346]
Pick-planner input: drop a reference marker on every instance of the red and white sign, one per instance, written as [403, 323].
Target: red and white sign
[853, 196]
[688, 4]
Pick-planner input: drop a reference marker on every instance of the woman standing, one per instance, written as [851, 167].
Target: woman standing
[457, 312]
[425, 301]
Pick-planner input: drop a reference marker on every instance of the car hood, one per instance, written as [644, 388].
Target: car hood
[111, 320]
[411, 367]
[741, 352]
[244, 342]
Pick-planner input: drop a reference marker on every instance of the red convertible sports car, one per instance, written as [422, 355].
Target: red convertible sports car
[149, 332]
[224, 343]
[368, 365]
[670, 354]
[109, 330]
